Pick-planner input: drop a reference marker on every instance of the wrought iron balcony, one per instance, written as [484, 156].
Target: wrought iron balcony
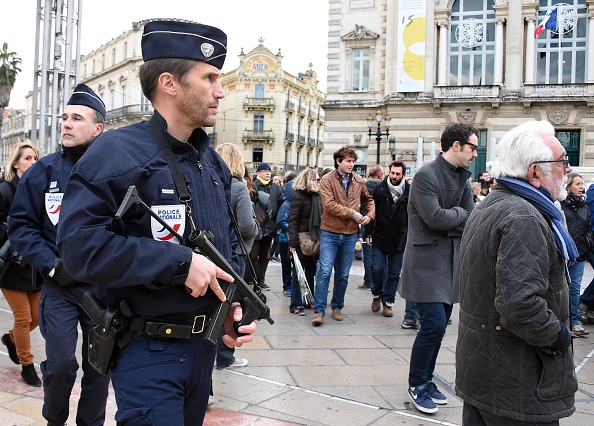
[129, 111]
[258, 104]
[301, 140]
[264, 136]
[289, 137]
[290, 106]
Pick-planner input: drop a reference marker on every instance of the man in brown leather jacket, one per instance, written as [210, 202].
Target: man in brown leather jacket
[343, 193]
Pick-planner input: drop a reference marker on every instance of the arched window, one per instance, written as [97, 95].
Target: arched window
[561, 53]
[472, 43]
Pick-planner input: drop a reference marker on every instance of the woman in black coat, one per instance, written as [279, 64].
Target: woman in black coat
[577, 217]
[305, 216]
[17, 285]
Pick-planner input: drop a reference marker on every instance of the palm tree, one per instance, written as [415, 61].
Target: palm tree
[9, 68]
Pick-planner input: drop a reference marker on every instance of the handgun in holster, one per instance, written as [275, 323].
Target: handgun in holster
[109, 335]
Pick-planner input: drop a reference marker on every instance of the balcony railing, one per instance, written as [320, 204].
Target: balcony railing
[456, 92]
[311, 142]
[290, 106]
[129, 111]
[289, 137]
[301, 140]
[258, 103]
[266, 136]
[556, 90]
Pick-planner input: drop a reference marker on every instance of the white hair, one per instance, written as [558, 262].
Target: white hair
[519, 148]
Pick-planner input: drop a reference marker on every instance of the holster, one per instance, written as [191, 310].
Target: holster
[109, 335]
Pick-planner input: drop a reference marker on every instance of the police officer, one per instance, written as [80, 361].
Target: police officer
[163, 375]
[32, 225]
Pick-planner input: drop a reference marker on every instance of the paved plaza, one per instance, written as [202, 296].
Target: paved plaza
[347, 373]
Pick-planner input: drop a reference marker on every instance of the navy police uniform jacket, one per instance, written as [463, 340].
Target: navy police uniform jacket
[134, 257]
[35, 209]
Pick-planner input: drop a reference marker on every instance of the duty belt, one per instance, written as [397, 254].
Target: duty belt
[158, 328]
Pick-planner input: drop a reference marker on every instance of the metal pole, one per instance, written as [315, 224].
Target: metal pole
[34, 112]
[378, 138]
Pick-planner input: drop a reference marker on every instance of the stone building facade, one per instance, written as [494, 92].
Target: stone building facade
[428, 64]
[274, 116]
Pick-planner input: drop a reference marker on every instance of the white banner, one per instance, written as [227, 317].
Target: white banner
[412, 35]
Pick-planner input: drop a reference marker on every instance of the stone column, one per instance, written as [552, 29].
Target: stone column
[590, 51]
[530, 45]
[498, 76]
[443, 53]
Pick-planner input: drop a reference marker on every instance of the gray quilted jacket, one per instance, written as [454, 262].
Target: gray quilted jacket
[513, 298]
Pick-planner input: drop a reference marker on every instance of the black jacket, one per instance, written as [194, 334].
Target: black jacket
[390, 226]
[276, 199]
[578, 226]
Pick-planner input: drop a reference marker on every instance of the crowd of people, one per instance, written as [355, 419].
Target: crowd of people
[509, 247]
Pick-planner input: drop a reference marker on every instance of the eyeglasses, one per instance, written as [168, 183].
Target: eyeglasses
[564, 161]
[473, 147]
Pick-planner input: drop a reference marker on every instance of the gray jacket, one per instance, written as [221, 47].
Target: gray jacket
[514, 299]
[439, 204]
[243, 209]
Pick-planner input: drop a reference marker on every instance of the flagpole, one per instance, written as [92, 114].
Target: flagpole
[560, 32]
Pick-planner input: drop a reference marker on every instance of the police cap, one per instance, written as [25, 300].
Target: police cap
[83, 95]
[184, 40]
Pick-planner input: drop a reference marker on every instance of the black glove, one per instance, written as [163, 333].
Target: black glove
[563, 340]
[60, 275]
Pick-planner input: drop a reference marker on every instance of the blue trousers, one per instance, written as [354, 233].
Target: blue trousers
[367, 264]
[336, 251]
[162, 381]
[576, 273]
[385, 274]
[587, 296]
[59, 315]
[434, 319]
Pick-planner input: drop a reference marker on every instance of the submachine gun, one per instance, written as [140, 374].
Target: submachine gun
[253, 304]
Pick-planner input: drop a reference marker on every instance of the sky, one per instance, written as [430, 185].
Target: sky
[299, 29]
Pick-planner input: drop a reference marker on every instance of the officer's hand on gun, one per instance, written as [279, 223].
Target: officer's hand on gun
[231, 339]
[60, 275]
[203, 274]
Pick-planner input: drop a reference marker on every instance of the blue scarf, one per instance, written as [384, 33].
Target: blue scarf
[543, 201]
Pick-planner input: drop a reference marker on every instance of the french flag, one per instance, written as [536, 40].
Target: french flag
[549, 22]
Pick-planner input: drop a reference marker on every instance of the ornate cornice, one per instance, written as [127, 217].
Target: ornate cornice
[360, 33]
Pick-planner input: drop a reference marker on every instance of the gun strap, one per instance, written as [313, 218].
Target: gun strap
[159, 134]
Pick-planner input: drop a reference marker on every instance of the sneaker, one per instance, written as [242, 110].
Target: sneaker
[375, 304]
[318, 319]
[435, 394]
[583, 312]
[579, 331]
[287, 293]
[299, 311]
[364, 286]
[387, 312]
[264, 287]
[238, 362]
[421, 399]
[30, 376]
[337, 315]
[409, 323]
[10, 346]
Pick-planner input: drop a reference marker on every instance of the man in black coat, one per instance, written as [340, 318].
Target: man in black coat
[261, 248]
[387, 237]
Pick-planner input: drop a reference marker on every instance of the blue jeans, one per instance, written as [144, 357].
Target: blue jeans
[434, 319]
[576, 272]
[388, 266]
[410, 310]
[336, 251]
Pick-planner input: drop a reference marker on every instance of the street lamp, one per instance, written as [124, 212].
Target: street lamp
[392, 146]
[378, 133]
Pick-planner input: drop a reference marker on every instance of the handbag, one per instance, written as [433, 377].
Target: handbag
[307, 246]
